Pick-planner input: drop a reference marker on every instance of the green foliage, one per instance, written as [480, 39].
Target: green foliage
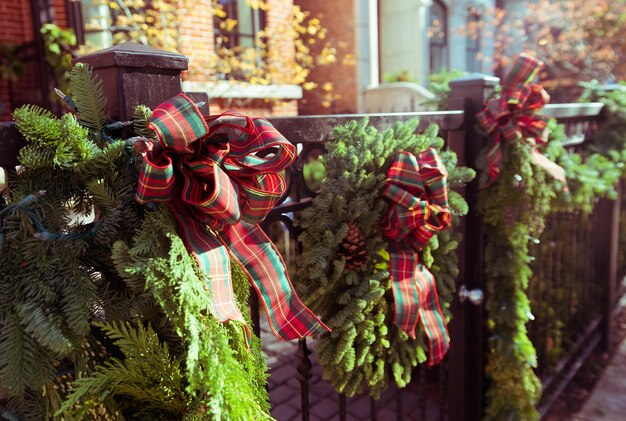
[60, 142]
[10, 66]
[365, 350]
[401, 76]
[589, 175]
[515, 208]
[610, 134]
[116, 325]
[611, 139]
[58, 46]
[147, 377]
[89, 97]
[439, 84]
[141, 116]
[235, 391]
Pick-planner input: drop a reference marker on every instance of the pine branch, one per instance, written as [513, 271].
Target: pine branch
[89, 97]
[141, 116]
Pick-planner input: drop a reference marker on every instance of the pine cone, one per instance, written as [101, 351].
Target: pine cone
[353, 248]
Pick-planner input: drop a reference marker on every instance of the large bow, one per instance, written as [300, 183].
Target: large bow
[514, 116]
[418, 207]
[220, 182]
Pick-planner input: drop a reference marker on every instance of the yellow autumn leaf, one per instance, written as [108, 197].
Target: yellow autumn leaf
[349, 60]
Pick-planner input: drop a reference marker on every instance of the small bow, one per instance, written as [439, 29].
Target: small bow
[514, 116]
[219, 181]
[418, 208]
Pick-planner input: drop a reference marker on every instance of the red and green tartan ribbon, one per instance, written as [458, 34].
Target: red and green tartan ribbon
[514, 115]
[220, 180]
[418, 208]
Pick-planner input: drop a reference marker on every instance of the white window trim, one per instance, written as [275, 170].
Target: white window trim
[238, 89]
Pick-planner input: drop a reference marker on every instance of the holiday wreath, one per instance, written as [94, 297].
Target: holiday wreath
[372, 242]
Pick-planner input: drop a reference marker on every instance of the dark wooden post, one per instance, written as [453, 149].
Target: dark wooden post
[134, 74]
[467, 327]
[42, 13]
[606, 244]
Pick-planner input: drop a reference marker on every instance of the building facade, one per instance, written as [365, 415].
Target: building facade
[198, 34]
[385, 38]
[413, 38]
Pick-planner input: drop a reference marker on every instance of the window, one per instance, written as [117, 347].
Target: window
[96, 19]
[102, 23]
[438, 36]
[473, 40]
[236, 28]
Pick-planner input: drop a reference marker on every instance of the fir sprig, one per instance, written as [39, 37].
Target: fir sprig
[89, 97]
[148, 375]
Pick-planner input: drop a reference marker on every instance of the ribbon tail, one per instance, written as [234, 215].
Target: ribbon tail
[288, 317]
[551, 167]
[432, 317]
[494, 159]
[213, 259]
[402, 264]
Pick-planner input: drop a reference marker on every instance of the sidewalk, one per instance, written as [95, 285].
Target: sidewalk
[608, 400]
[284, 390]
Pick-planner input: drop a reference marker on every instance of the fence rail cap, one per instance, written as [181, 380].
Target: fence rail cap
[474, 78]
[131, 54]
[582, 109]
[318, 128]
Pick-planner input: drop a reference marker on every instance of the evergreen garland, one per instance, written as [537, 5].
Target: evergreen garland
[515, 207]
[365, 349]
[108, 318]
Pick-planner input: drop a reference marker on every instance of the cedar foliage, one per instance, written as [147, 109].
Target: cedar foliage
[109, 318]
[365, 351]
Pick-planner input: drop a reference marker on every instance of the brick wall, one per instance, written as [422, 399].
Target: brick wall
[17, 28]
[280, 41]
[339, 18]
[196, 39]
[60, 12]
[15, 21]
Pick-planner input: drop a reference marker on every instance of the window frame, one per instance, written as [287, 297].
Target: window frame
[231, 40]
[438, 49]
[473, 45]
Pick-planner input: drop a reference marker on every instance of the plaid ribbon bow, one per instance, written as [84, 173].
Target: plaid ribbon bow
[514, 116]
[220, 182]
[417, 192]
